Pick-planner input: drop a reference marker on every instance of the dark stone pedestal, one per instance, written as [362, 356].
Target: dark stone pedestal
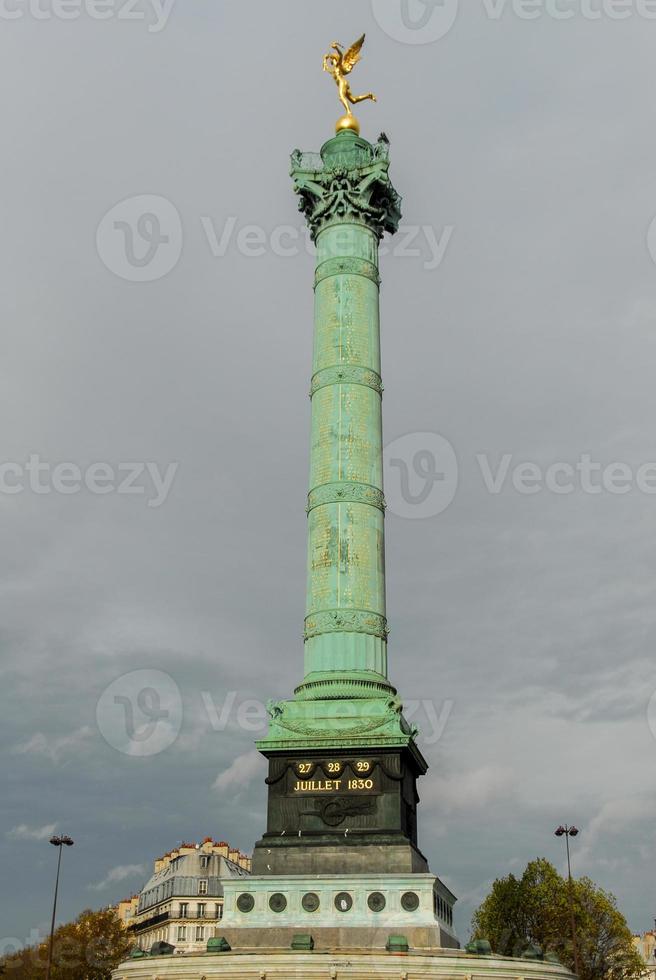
[357, 854]
[341, 814]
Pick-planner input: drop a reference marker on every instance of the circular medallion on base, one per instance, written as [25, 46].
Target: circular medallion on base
[410, 901]
[310, 902]
[245, 902]
[278, 902]
[343, 902]
[376, 902]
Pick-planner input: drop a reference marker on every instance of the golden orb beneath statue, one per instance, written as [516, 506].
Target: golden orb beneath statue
[347, 121]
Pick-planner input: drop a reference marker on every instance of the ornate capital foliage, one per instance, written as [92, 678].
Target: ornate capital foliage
[349, 181]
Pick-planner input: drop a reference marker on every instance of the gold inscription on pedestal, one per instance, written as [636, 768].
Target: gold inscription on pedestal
[333, 785]
[356, 776]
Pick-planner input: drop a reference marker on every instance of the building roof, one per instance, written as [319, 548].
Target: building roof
[177, 874]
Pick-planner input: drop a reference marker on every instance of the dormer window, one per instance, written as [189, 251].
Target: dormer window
[204, 861]
[202, 886]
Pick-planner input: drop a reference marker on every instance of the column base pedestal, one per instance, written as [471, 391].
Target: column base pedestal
[280, 856]
[340, 909]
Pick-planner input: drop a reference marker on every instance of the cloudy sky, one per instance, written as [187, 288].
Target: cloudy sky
[157, 313]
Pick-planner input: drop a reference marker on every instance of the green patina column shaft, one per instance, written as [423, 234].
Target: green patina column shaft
[345, 718]
[349, 202]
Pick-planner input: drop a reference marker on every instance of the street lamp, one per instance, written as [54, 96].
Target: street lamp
[568, 832]
[58, 842]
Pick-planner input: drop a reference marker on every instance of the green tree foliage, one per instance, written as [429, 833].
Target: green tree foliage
[87, 949]
[534, 910]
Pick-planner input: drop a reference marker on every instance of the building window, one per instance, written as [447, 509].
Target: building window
[199, 933]
[201, 910]
[202, 886]
[182, 933]
[218, 911]
[204, 860]
[184, 906]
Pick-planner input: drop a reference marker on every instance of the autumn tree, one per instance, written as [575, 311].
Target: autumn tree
[87, 949]
[534, 910]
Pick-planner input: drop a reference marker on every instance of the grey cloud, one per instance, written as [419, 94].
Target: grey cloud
[534, 336]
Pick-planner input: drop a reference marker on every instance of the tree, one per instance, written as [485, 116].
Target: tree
[87, 949]
[534, 911]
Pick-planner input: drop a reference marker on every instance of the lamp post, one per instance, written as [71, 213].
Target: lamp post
[568, 832]
[58, 842]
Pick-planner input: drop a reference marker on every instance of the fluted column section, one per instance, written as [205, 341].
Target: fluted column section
[345, 625]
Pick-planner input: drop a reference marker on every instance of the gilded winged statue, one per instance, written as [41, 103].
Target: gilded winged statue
[339, 64]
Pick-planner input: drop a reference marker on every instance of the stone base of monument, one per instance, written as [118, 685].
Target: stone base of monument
[357, 911]
[340, 964]
[336, 926]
